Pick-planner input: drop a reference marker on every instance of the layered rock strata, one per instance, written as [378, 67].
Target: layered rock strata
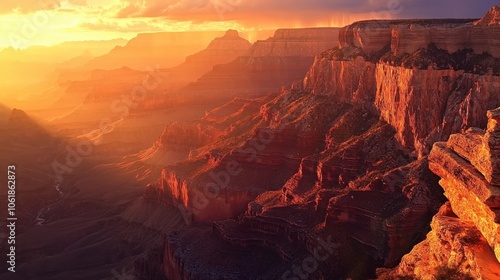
[453, 249]
[467, 165]
[407, 36]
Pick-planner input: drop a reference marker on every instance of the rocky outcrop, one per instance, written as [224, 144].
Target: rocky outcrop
[227, 47]
[492, 17]
[453, 248]
[481, 149]
[453, 99]
[471, 194]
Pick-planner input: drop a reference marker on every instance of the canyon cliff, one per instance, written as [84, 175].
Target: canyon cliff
[464, 239]
[342, 155]
[269, 65]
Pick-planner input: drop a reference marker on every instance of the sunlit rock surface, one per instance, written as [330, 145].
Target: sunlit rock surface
[472, 196]
[453, 248]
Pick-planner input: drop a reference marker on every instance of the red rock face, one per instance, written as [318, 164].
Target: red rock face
[454, 248]
[409, 36]
[492, 17]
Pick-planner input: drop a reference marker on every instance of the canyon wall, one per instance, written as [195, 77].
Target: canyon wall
[407, 36]
[426, 106]
[451, 99]
[296, 42]
[270, 65]
[345, 153]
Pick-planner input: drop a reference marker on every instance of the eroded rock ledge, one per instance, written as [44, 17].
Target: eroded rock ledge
[468, 166]
[465, 236]
[454, 248]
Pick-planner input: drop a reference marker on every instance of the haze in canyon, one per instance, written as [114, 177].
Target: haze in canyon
[200, 140]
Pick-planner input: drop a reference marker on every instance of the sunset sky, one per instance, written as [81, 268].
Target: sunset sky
[47, 22]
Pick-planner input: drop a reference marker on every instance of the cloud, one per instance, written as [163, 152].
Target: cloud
[241, 10]
[26, 6]
[123, 26]
[447, 8]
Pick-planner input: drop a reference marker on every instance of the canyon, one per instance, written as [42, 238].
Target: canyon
[343, 154]
[362, 152]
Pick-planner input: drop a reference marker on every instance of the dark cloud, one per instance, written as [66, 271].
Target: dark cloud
[301, 10]
[447, 8]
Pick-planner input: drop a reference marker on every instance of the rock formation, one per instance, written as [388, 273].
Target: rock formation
[270, 65]
[407, 36]
[468, 165]
[465, 234]
[21, 128]
[453, 249]
[345, 153]
[491, 18]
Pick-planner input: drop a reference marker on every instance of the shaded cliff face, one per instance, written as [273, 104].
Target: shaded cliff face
[22, 129]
